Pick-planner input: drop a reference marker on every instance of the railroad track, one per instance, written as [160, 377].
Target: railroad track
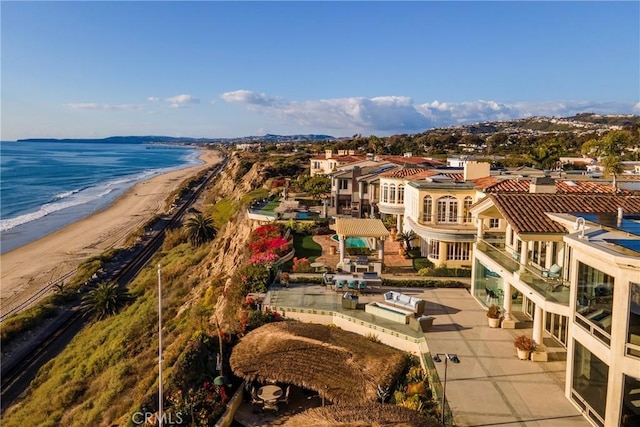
[19, 372]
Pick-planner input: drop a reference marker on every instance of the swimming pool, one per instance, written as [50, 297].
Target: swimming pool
[352, 242]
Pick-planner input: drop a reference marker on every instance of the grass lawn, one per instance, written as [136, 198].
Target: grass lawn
[305, 247]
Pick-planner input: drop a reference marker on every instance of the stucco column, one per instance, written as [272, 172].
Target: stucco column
[399, 223]
[341, 247]
[524, 252]
[508, 322]
[479, 224]
[549, 255]
[381, 250]
[537, 325]
[360, 190]
[442, 253]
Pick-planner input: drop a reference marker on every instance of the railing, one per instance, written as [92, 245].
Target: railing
[425, 219]
[554, 290]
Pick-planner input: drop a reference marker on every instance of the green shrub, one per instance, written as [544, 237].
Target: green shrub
[422, 263]
[424, 283]
[444, 271]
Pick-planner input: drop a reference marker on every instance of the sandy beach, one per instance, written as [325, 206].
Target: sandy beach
[26, 270]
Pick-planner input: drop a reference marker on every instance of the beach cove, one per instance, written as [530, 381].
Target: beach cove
[29, 268]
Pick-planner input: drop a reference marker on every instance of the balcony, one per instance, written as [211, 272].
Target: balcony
[553, 290]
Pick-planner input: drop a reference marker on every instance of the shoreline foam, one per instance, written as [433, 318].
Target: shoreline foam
[27, 269]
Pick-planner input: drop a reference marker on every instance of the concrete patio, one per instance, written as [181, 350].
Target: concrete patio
[490, 386]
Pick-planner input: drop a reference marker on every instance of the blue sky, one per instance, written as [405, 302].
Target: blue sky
[224, 69]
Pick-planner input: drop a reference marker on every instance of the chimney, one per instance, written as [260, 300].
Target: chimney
[543, 185]
[328, 154]
[475, 170]
[620, 216]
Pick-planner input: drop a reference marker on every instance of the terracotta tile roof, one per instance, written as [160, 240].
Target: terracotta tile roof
[401, 160]
[424, 174]
[342, 159]
[455, 176]
[486, 182]
[525, 212]
[562, 187]
[402, 172]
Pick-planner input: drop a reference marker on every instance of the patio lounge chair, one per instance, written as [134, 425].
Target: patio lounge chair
[340, 285]
[553, 272]
[352, 285]
[362, 285]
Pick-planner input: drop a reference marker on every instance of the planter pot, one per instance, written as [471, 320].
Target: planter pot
[493, 323]
[523, 354]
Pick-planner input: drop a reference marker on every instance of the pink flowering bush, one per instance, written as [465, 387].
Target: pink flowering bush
[301, 265]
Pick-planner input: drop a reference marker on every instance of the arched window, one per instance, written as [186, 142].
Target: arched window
[447, 210]
[385, 193]
[427, 208]
[400, 193]
[392, 193]
[468, 201]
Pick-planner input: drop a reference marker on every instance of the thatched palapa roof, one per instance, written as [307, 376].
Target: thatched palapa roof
[341, 366]
[371, 415]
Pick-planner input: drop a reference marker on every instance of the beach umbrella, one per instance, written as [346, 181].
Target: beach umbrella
[341, 366]
[373, 414]
[220, 380]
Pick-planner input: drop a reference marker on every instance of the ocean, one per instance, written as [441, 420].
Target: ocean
[45, 186]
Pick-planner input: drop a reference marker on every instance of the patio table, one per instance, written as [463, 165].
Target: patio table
[317, 265]
[270, 393]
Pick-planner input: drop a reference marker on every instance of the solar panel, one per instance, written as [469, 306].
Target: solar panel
[631, 244]
[629, 224]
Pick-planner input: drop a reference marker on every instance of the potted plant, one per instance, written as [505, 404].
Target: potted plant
[524, 345]
[493, 315]
[284, 279]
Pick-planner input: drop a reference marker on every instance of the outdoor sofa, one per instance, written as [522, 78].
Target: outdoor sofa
[407, 302]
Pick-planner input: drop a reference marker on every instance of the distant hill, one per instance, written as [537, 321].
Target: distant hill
[170, 139]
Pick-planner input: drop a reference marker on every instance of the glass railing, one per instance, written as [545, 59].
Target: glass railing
[503, 258]
[554, 290]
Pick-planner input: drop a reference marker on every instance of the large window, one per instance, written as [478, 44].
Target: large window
[589, 383]
[540, 253]
[434, 249]
[385, 193]
[458, 251]
[630, 416]
[392, 193]
[343, 184]
[633, 335]
[427, 208]
[556, 325]
[400, 193]
[447, 210]
[468, 201]
[595, 301]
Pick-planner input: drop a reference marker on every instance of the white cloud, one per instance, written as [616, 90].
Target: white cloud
[102, 107]
[636, 107]
[181, 101]
[248, 97]
[153, 99]
[399, 114]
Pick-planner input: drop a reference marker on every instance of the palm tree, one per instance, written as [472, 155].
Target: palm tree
[200, 229]
[609, 150]
[407, 237]
[104, 300]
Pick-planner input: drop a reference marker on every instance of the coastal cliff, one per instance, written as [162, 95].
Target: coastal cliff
[228, 251]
